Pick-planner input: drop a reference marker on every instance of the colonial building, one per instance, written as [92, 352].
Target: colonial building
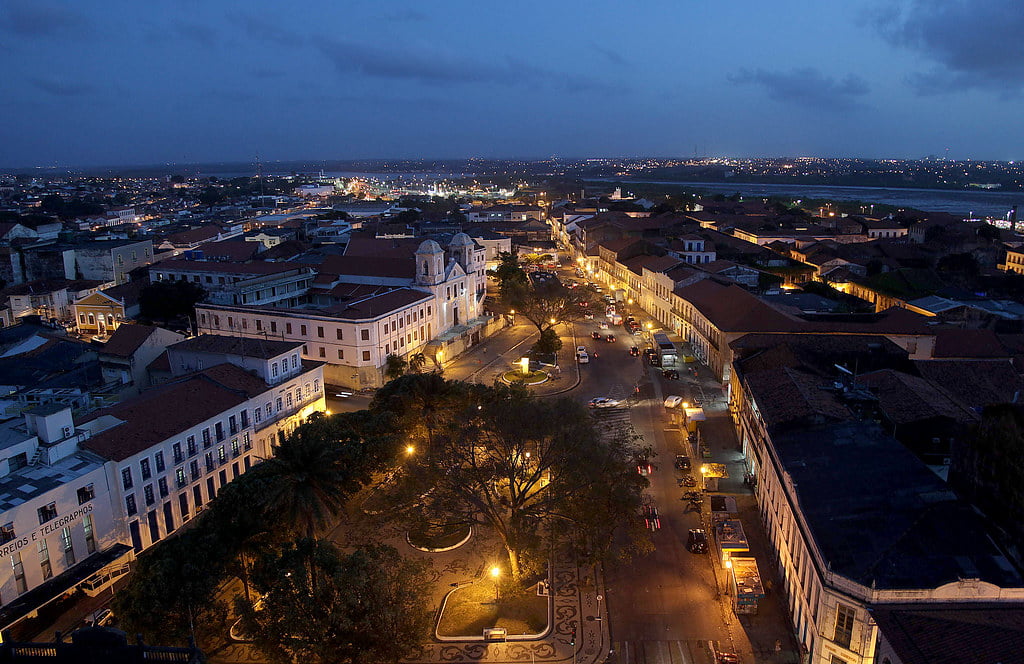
[363, 308]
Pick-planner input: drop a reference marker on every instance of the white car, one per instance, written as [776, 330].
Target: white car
[603, 325]
[673, 401]
[603, 402]
[581, 349]
[582, 357]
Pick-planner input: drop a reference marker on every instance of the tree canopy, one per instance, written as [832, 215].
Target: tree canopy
[319, 605]
[170, 300]
[531, 470]
[543, 302]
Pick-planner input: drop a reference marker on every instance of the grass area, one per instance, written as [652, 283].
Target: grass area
[440, 537]
[532, 378]
[472, 609]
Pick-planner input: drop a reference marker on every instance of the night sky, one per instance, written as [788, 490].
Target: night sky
[106, 83]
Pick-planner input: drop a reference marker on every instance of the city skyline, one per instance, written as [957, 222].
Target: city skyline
[125, 84]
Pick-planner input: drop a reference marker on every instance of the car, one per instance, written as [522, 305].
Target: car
[648, 352]
[603, 325]
[603, 402]
[644, 469]
[682, 462]
[582, 357]
[654, 359]
[342, 395]
[651, 518]
[689, 480]
[630, 319]
[670, 374]
[634, 351]
[103, 617]
[697, 541]
[595, 334]
[673, 401]
[610, 338]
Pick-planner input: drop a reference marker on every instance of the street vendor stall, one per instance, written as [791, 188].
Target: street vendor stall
[730, 540]
[747, 590]
[711, 473]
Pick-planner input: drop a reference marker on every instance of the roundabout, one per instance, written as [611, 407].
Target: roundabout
[528, 379]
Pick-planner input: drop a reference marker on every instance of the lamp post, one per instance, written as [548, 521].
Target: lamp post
[495, 573]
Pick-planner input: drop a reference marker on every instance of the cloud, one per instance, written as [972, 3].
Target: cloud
[429, 65]
[972, 43]
[38, 19]
[198, 33]
[806, 87]
[61, 88]
[265, 31]
[612, 56]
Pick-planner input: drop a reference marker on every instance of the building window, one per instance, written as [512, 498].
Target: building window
[273, 326]
[366, 356]
[269, 410]
[86, 493]
[211, 489]
[232, 425]
[339, 334]
[323, 352]
[183, 505]
[364, 334]
[190, 445]
[288, 400]
[273, 369]
[19, 573]
[244, 415]
[320, 331]
[90, 537]
[302, 330]
[17, 462]
[236, 448]
[44, 558]
[206, 438]
[179, 477]
[341, 354]
[146, 472]
[69, 549]
[197, 495]
[47, 513]
[126, 478]
[193, 470]
[7, 532]
[148, 493]
[287, 328]
[222, 455]
[279, 404]
[209, 462]
[257, 415]
[218, 430]
[129, 504]
[246, 442]
[176, 451]
[845, 617]
[161, 485]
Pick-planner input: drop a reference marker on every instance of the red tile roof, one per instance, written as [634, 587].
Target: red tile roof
[257, 268]
[732, 309]
[954, 342]
[905, 399]
[170, 409]
[369, 266]
[127, 338]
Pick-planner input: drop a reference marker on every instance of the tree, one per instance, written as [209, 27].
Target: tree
[172, 590]
[544, 303]
[319, 605]
[549, 342]
[989, 233]
[169, 300]
[531, 470]
[309, 478]
[417, 362]
[395, 366]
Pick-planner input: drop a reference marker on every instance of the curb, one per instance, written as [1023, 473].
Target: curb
[480, 639]
[443, 549]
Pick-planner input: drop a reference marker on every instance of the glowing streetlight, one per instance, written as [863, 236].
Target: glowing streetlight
[495, 573]
[409, 449]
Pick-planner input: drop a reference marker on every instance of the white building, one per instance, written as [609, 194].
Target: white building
[172, 448]
[57, 522]
[364, 308]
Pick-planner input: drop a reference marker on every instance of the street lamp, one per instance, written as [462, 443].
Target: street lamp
[409, 449]
[495, 572]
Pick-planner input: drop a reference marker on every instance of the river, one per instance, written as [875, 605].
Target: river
[977, 203]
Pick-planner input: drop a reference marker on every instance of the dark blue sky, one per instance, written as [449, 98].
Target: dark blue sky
[87, 83]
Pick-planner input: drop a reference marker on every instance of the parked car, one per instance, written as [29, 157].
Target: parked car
[603, 325]
[673, 401]
[697, 541]
[582, 357]
[689, 480]
[634, 351]
[103, 617]
[610, 338]
[595, 334]
[682, 462]
[671, 374]
[645, 469]
[603, 402]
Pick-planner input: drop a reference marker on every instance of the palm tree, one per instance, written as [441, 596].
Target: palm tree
[417, 362]
[307, 481]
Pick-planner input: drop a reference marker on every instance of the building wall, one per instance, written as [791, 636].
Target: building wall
[112, 263]
[207, 461]
[71, 514]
